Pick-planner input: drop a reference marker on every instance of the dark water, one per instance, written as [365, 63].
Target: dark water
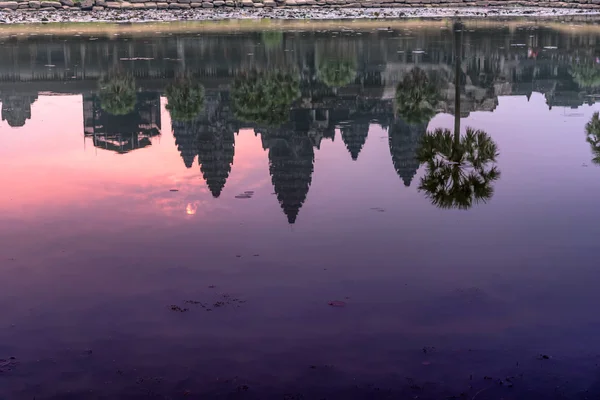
[178, 211]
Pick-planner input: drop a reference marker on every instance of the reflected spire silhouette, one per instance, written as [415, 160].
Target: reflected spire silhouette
[404, 141]
[354, 137]
[291, 160]
[186, 140]
[215, 156]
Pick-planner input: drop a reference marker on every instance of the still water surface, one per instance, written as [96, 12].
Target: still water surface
[271, 214]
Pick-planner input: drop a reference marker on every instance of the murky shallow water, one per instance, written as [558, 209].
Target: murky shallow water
[178, 212]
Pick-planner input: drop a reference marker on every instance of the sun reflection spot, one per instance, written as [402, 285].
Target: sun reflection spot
[191, 209]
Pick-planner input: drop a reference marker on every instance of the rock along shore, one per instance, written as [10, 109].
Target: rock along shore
[35, 11]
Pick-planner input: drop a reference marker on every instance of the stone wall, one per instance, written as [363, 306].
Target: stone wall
[100, 5]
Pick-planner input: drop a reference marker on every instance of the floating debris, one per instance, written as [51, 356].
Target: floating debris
[173, 190]
[8, 365]
[337, 303]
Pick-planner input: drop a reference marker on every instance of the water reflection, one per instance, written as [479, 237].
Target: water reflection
[294, 89]
[592, 129]
[371, 142]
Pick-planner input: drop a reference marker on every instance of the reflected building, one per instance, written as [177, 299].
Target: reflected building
[210, 137]
[291, 160]
[354, 137]
[215, 156]
[122, 133]
[404, 141]
[16, 108]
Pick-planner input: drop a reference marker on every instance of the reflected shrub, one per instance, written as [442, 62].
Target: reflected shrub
[272, 39]
[265, 97]
[416, 97]
[592, 129]
[337, 72]
[586, 76]
[459, 171]
[186, 99]
[117, 93]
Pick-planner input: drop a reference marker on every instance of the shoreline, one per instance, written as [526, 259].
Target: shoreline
[125, 16]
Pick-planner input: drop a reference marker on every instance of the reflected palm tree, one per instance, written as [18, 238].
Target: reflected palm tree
[416, 97]
[186, 99]
[117, 93]
[265, 97]
[592, 130]
[460, 170]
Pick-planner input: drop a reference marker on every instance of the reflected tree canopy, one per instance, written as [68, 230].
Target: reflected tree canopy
[416, 97]
[117, 93]
[460, 171]
[586, 75]
[592, 130]
[337, 72]
[265, 97]
[186, 99]
[272, 39]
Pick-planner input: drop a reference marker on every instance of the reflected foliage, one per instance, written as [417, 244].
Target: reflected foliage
[586, 76]
[592, 130]
[117, 93]
[460, 171]
[186, 99]
[272, 39]
[337, 72]
[265, 98]
[416, 97]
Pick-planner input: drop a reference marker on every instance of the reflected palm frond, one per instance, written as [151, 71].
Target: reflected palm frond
[459, 170]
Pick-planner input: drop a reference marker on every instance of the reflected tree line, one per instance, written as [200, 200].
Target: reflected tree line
[292, 108]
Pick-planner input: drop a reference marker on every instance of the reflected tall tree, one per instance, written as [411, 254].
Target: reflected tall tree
[186, 99]
[117, 93]
[592, 129]
[265, 98]
[291, 160]
[460, 170]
